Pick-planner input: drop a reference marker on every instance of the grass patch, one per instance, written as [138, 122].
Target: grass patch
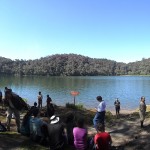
[77, 107]
[109, 116]
[11, 134]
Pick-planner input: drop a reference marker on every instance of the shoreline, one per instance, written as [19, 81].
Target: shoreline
[122, 111]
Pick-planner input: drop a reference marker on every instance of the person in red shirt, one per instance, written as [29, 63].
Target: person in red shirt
[102, 139]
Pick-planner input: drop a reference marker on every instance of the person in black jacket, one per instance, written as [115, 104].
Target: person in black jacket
[15, 105]
[56, 134]
[50, 108]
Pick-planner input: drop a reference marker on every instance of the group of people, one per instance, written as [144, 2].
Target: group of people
[53, 132]
[58, 134]
[142, 109]
[49, 105]
[100, 114]
[100, 119]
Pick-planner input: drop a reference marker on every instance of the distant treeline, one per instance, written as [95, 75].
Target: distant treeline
[73, 65]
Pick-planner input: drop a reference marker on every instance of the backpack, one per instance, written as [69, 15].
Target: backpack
[18, 102]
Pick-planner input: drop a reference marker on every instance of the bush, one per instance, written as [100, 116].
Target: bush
[78, 106]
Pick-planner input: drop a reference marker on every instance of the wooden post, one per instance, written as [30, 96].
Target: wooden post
[74, 101]
[74, 94]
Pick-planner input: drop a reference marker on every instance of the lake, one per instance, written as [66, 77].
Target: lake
[128, 89]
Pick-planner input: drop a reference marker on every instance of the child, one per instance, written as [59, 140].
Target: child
[102, 139]
[80, 135]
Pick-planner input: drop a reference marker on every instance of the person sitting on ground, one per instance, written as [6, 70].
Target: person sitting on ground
[56, 134]
[70, 124]
[117, 106]
[80, 135]
[102, 139]
[25, 126]
[36, 124]
[34, 105]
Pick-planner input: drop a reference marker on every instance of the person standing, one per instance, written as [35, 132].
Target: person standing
[40, 98]
[50, 108]
[100, 114]
[142, 110]
[49, 100]
[117, 107]
[15, 105]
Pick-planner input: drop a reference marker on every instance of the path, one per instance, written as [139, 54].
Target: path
[127, 134]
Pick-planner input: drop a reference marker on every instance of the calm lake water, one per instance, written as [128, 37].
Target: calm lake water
[128, 89]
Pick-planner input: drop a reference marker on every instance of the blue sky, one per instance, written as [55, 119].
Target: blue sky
[114, 29]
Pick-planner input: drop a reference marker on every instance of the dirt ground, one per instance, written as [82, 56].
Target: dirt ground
[125, 131]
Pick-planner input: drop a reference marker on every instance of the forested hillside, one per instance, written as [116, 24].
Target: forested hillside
[72, 65]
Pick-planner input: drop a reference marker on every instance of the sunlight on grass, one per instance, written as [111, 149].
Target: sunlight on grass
[148, 108]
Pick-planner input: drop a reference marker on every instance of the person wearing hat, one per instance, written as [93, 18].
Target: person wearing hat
[56, 134]
[100, 114]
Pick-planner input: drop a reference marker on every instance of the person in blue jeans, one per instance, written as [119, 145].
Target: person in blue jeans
[100, 114]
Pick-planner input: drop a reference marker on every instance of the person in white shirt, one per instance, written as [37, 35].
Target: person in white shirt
[100, 114]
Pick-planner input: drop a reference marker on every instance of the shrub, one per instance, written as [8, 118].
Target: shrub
[78, 106]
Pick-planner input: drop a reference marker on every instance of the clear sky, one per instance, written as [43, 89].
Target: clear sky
[114, 29]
